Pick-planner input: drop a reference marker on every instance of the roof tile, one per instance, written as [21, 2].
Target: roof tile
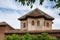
[36, 13]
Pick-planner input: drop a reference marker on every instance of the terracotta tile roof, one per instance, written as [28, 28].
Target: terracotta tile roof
[20, 31]
[36, 13]
[5, 24]
[15, 31]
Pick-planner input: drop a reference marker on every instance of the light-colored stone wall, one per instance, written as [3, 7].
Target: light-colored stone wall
[35, 26]
[24, 21]
[50, 25]
[31, 27]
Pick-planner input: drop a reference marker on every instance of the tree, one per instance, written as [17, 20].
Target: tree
[39, 37]
[27, 36]
[15, 37]
[46, 36]
[8, 37]
[31, 2]
[12, 37]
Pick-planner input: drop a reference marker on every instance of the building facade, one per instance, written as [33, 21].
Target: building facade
[34, 22]
[3, 28]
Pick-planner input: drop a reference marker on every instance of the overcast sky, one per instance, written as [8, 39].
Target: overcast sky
[10, 11]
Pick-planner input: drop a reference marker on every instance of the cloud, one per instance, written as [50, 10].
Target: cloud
[10, 18]
[52, 12]
[49, 4]
[7, 9]
[56, 24]
[10, 11]
[8, 4]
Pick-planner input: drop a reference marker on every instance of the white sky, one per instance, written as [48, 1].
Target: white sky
[10, 11]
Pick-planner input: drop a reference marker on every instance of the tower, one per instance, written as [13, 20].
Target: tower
[36, 20]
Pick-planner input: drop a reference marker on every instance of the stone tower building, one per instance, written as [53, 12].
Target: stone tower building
[36, 20]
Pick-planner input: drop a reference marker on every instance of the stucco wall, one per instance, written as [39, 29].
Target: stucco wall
[22, 24]
[31, 27]
[50, 25]
[35, 26]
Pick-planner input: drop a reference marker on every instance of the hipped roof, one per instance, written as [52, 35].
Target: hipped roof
[4, 24]
[36, 13]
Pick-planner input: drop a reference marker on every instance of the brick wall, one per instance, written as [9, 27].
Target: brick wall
[3, 29]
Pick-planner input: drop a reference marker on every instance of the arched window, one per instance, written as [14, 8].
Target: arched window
[24, 25]
[47, 24]
[32, 22]
[38, 23]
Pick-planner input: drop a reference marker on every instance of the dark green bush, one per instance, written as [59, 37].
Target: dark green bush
[27, 36]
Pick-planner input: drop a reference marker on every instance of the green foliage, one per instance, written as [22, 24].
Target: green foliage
[39, 37]
[27, 2]
[12, 37]
[15, 37]
[8, 38]
[54, 38]
[43, 36]
[59, 13]
[41, 1]
[27, 37]
[31, 2]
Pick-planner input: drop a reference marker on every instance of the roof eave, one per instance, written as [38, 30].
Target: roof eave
[35, 17]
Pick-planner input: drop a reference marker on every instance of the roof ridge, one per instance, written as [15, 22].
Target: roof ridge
[35, 13]
[43, 12]
[5, 23]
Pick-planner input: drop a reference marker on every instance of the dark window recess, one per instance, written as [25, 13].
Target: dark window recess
[32, 22]
[24, 25]
[47, 24]
[44, 23]
[1, 26]
[38, 23]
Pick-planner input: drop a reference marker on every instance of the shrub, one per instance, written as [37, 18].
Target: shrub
[27, 36]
